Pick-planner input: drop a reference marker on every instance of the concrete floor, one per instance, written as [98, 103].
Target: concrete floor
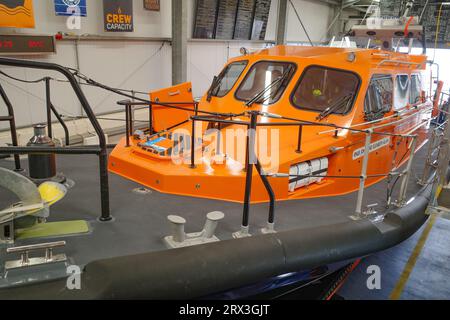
[430, 278]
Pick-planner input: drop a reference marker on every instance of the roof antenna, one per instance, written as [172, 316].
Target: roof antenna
[301, 22]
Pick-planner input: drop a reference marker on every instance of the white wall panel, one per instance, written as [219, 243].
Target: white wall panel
[131, 64]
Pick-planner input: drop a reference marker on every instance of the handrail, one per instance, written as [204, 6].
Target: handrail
[251, 159]
[382, 125]
[35, 247]
[398, 62]
[73, 82]
[400, 120]
[144, 102]
[51, 109]
[394, 115]
[40, 150]
[103, 154]
[12, 125]
[62, 123]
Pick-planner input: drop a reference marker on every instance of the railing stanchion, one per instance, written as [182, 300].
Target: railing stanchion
[12, 127]
[363, 178]
[49, 108]
[131, 110]
[104, 186]
[127, 124]
[270, 228]
[300, 136]
[150, 118]
[63, 124]
[193, 145]
[250, 162]
[219, 139]
[407, 173]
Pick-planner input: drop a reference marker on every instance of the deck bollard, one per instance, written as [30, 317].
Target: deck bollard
[177, 223]
[212, 221]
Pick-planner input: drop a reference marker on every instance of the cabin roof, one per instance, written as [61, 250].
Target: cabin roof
[305, 52]
[371, 57]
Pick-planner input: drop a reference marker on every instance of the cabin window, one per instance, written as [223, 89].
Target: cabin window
[323, 88]
[264, 75]
[402, 89]
[416, 89]
[228, 78]
[379, 97]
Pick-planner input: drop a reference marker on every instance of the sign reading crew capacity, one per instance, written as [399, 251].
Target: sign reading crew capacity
[118, 15]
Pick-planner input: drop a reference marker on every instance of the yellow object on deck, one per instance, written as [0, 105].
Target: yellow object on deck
[52, 192]
[53, 229]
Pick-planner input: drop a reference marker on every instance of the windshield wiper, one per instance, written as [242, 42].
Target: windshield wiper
[344, 101]
[261, 94]
[214, 86]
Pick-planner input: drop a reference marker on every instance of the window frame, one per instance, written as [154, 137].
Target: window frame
[378, 76]
[262, 61]
[237, 79]
[419, 76]
[358, 89]
[396, 76]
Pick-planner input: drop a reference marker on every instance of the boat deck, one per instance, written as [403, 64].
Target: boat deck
[140, 221]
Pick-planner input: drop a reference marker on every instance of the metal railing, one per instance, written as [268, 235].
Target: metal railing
[252, 161]
[101, 150]
[12, 125]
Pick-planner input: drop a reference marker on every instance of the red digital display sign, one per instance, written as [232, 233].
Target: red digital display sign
[20, 44]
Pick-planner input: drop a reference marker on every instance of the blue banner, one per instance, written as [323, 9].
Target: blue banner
[71, 8]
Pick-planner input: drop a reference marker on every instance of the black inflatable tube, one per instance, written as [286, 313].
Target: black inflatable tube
[202, 270]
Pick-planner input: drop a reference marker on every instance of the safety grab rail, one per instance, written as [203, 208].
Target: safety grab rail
[103, 150]
[394, 115]
[129, 110]
[50, 108]
[397, 62]
[251, 161]
[12, 125]
[254, 124]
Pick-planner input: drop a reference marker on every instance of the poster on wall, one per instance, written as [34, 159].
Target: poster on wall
[118, 15]
[226, 18]
[152, 5]
[205, 19]
[16, 13]
[71, 8]
[244, 20]
[261, 17]
[231, 19]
